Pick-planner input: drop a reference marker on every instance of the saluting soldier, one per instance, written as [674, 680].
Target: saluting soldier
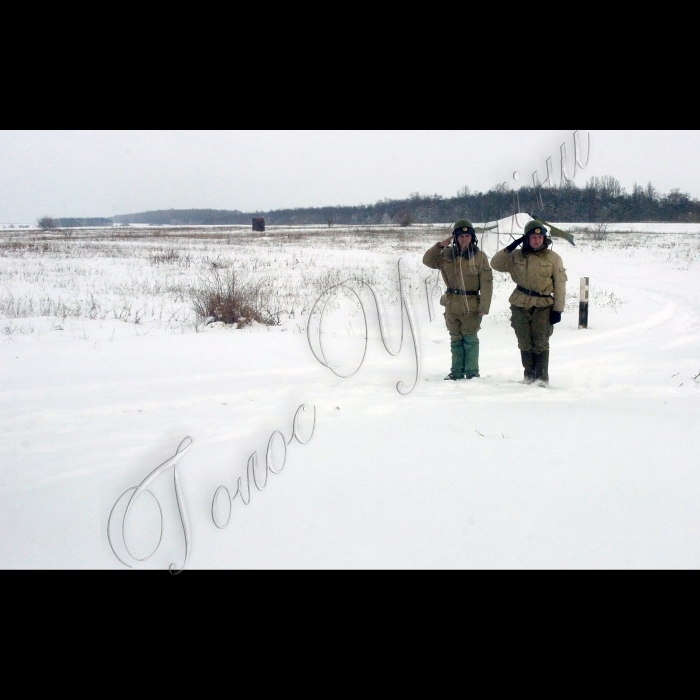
[539, 300]
[469, 279]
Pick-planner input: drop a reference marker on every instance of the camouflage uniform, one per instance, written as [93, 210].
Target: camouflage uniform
[469, 273]
[541, 280]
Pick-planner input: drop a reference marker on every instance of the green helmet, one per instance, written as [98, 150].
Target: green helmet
[464, 226]
[534, 225]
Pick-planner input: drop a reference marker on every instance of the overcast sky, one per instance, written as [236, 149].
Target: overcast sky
[106, 172]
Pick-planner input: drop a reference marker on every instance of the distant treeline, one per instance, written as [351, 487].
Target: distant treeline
[602, 200]
[77, 223]
[187, 217]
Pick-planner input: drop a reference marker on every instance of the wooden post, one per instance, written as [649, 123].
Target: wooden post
[583, 306]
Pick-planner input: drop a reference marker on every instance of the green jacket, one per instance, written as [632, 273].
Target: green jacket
[541, 272]
[463, 274]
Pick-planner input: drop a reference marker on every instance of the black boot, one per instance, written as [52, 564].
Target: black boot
[529, 365]
[542, 369]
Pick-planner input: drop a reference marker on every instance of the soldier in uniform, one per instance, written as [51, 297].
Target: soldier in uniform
[469, 279]
[539, 300]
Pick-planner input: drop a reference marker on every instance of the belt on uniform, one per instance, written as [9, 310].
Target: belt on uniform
[530, 293]
[463, 294]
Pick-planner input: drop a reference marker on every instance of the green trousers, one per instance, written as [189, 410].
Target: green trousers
[461, 325]
[533, 328]
[465, 357]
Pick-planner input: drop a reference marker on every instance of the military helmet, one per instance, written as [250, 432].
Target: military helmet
[536, 227]
[463, 226]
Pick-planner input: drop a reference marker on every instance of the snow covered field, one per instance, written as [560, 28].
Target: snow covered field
[106, 369]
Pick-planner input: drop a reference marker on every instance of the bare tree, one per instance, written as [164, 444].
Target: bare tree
[464, 192]
[405, 218]
[612, 186]
[607, 186]
[47, 223]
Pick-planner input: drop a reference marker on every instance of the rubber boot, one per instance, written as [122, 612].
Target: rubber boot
[542, 369]
[529, 366]
[471, 356]
[457, 362]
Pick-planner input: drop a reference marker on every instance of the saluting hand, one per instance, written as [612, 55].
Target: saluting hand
[514, 245]
[447, 242]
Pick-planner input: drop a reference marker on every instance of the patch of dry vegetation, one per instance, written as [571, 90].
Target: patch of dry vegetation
[229, 296]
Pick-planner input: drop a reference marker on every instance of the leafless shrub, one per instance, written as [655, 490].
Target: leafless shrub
[229, 297]
[600, 232]
[168, 256]
[405, 218]
[47, 223]
[595, 232]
